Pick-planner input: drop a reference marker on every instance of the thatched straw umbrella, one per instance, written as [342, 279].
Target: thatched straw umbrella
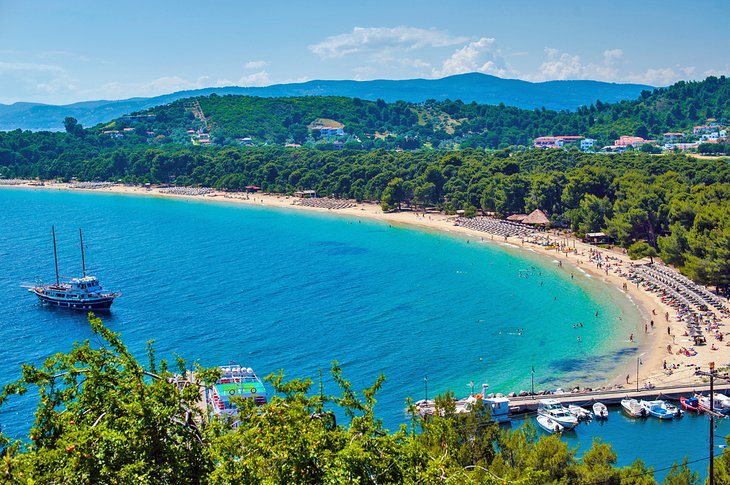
[536, 218]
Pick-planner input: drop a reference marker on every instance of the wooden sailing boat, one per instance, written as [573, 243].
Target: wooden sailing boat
[83, 293]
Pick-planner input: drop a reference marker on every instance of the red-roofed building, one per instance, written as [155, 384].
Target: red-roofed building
[634, 141]
[548, 142]
[569, 138]
[673, 136]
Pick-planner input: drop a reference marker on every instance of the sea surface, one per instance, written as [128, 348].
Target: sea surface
[274, 289]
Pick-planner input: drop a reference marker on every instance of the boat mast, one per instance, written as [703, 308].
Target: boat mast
[55, 256]
[83, 262]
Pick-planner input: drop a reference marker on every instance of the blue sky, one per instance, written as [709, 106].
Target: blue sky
[61, 52]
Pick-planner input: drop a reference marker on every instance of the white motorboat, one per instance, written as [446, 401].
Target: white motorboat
[721, 403]
[659, 409]
[633, 408]
[553, 409]
[549, 424]
[600, 411]
[579, 412]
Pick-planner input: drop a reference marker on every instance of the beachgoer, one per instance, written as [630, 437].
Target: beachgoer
[578, 338]
[666, 316]
[646, 328]
[669, 331]
[652, 324]
[596, 313]
[653, 312]
[627, 378]
[631, 337]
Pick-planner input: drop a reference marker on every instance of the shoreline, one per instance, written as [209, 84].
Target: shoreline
[651, 347]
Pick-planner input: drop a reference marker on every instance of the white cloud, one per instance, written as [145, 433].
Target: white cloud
[717, 72]
[561, 66]
[611, 55]
[375, 39]
[478, 56]
[35, 80]
[6, 67]
[255, 64]
[661, 76]
[260, 78]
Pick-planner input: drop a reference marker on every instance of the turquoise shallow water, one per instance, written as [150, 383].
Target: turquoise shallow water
[278, 289]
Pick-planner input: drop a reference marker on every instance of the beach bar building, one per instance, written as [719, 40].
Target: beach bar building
[305, 194]
[596, 238]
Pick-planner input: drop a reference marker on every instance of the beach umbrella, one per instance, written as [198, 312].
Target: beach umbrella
[536, 217]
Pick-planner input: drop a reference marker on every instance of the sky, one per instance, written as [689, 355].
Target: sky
[60, 52]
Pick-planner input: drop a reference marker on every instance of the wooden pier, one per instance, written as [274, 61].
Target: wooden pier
[528, 404]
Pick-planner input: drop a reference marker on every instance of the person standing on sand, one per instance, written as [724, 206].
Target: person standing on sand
[627, 378]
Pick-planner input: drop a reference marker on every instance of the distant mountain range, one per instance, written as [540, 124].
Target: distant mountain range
[481, 88]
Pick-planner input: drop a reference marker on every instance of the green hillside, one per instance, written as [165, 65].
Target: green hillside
[437, 124]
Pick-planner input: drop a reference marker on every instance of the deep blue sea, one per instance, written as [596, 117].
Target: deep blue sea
[284, 289]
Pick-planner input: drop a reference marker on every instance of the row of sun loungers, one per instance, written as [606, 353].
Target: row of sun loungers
[702, 292]
[91, 185]
[698, 295]
[494, 226]
[325, 203]
[13, 181]
[187, 190]
[691, 301]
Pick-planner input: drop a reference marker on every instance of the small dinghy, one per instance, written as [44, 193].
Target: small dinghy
[600, 411]
[690, 403]
[581, 413]
[549, 424]
[633, 408]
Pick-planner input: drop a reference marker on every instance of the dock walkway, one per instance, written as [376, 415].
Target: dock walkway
[527, 404]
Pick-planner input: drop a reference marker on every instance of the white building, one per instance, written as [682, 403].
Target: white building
[587, 144]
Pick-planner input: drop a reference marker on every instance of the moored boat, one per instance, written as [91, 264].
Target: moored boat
[659, 409]
[720, 405]
[579, 412]
[690, 403]
[549, 424]
[554, 410]
[235, 381]
[600, 411]
[633, 408]
[83, 293]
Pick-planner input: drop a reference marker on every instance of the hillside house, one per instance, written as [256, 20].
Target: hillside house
[671, 137]
[631, 141]
[548, 142]
[331, 131]
[587, 144]
[700, 129]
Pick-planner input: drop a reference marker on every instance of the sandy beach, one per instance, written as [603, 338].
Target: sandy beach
[607, 266]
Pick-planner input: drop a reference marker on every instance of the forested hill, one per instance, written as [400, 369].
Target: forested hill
[477, 87]
[436, 124]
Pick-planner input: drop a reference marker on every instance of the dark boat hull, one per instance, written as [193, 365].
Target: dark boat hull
[96, 304]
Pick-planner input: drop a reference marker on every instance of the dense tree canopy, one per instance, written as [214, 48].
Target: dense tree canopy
[103, 417]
